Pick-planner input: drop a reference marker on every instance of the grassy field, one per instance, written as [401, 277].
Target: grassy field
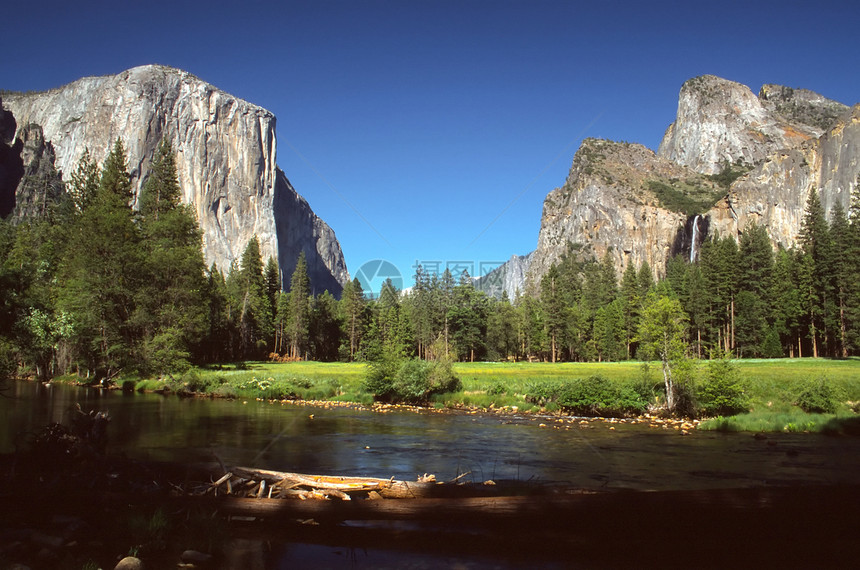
[772, 385]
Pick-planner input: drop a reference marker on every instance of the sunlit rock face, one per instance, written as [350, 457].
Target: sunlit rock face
[608, 204]
[226, 159]
[791, 140]
[774, 193]
[719, 120]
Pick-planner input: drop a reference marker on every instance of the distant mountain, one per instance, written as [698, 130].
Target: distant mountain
[506, 278]
[730, 158]
[226, 159]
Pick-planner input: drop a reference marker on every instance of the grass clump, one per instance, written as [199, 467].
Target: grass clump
[796, 421]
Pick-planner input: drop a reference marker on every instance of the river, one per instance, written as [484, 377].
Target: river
[406, 444]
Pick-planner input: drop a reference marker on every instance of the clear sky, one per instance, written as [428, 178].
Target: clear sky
[431, 131]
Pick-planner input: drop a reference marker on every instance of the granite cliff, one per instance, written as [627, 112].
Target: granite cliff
[774, 193]
[720, 120]
[226, 159]
[729, 158]
[621, 198]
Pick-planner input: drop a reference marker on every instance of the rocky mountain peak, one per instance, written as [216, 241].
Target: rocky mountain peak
[721, 121]
[731, 158]
[802, 106]
[622, 198]
[226, 159]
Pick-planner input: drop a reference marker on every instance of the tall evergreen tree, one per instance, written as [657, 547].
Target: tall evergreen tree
[299, 309]
[325, 328]
[630, 305]
[844, 274]
[252, 303]
[84, 182]
[101, 275]
[502, 329]
[467, 318]
[815, 240]
[171, 302]
[353, 304]
[754, 271]
[553, 308]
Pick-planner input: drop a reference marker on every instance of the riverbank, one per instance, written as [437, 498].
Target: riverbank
[772, 387]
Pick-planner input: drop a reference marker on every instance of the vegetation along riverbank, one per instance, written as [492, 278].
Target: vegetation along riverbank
[755, 395]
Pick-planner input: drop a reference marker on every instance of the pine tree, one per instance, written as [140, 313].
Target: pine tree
[502, 329]
[852, 259]
[844, 275]
[467, 319]
[553, 309]
[254, 312]
[325, 328]
[631, 301]
[171, 300]
[352, 307]
[299, 309]
[84, 182]
[160, 192]
[388, 319]
[815, 240]
[101, 275]
[754, 271]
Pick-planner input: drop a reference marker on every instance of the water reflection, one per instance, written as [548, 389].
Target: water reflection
[406, 444]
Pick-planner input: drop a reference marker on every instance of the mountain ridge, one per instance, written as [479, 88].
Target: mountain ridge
[730, 156]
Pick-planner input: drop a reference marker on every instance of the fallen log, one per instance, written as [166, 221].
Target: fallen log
[324, 482]
[336, 486]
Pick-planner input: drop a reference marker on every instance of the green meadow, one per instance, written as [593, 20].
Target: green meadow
[773, 386]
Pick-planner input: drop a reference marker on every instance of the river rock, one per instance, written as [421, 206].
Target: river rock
[130, 563]
[195, 557]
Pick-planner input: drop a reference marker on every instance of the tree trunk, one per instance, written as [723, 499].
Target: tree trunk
[670, 390]
[843, 329]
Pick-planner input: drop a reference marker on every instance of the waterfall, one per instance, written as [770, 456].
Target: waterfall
[694, 240]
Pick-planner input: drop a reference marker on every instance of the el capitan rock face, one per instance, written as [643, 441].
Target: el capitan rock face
[225, 152]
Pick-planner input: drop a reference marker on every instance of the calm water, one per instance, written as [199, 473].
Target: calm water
[407, 444]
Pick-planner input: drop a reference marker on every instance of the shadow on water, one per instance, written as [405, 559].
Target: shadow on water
[713, 485]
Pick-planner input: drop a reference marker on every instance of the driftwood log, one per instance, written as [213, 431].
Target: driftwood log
[284, 485]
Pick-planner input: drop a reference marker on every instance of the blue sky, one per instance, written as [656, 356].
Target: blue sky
[431, 131]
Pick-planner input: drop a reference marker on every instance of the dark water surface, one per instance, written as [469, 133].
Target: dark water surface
[403, 444]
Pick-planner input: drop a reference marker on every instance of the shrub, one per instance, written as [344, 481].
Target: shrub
[194, 382]
[379, 380]
[542, 393]
[722, 392]
[442, 378]
[412, 382]
[818, 398]
[397, 380]
[597, 396]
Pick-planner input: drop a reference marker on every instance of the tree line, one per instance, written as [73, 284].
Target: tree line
[103, 284]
